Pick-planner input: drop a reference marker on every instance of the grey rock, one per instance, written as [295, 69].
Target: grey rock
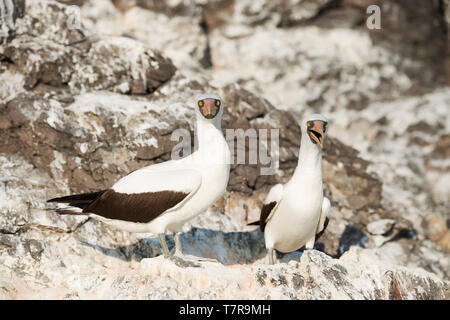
[62, 56]
[8, 16]
[380, 227]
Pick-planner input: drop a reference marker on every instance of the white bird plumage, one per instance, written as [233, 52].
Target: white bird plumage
[201, 176]
[299, 209]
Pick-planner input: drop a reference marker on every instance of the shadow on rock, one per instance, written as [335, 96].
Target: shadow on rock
[351, 236]
[226, 247]
[144, 248]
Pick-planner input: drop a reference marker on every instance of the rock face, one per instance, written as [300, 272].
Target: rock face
[82, 107]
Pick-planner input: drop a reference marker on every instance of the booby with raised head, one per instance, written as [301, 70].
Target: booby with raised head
[160, 198]
[296, 213]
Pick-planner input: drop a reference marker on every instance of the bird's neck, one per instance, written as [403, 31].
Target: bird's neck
[309, 166]
[207, 132]
[212, 146]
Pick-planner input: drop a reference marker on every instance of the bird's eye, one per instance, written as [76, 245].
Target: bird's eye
[218, 103]
[200, 103]
[325, 125]
[309, 124]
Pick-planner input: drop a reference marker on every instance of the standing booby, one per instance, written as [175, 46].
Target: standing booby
[295, 214]
[160, 198]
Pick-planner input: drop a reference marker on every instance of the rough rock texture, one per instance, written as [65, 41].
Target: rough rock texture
[65, 58]
[80, 108]
[314, 276]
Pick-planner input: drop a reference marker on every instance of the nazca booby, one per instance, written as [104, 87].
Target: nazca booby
[296, 213]
[160, 198]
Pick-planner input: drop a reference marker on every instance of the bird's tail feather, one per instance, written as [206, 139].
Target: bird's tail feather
[78, 198]
[67, 211]
[75, 202]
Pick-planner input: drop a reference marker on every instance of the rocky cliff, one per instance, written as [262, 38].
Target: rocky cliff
[82, 106]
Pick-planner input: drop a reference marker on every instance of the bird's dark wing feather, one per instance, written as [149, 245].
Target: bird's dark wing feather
[137, 207]
[325, 224]
[265, 213]
[82, 197]
[78, 200]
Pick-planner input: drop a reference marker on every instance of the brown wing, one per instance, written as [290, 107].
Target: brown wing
[265, 212]
[78, 198]
[81, 201]
[136, 207]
